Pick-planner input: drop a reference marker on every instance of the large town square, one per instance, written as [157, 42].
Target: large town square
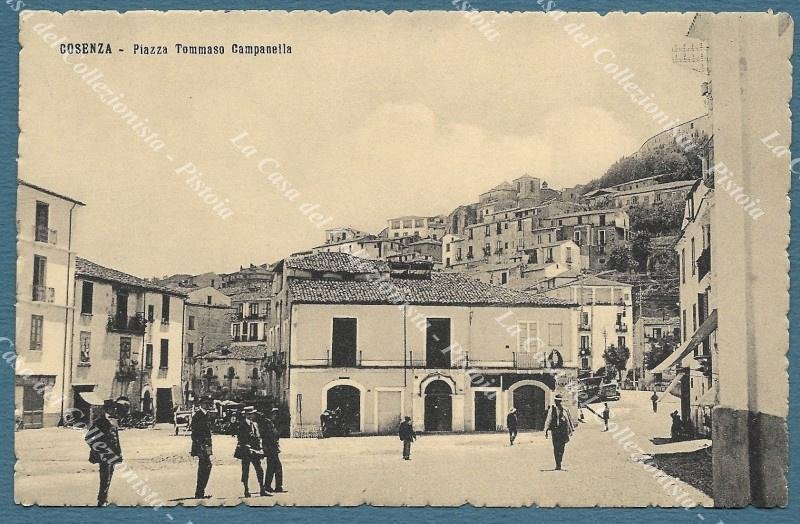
[319, 282]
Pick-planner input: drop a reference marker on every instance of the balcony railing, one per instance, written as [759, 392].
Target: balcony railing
[43, 294]
[126, 371]
[622, 328]
[44, 234]
[584, 326]
[703, 264]
[135, 324]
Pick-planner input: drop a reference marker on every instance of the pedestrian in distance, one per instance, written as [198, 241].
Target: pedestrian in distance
[270, 439]
[654, 400]
[559, 423]
[511, 424]
[676, 429]
[105, 449]
[202, 445]
[407, 435]
[248, 449]
[606, 416]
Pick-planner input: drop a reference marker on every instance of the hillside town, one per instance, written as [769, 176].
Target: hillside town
[602, 296]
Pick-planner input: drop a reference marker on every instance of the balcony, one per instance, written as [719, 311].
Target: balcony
[44, 234]
[43, 294]
[584, 326]
[621, 328]
[126, 371]
[126, 324]
[703, 264]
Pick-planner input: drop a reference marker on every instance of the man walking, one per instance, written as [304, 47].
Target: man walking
[270, 437]
[248, 450]
[654, 400]
[511, 424]
[606, 416]
[105, 450]
[407, 435]
[202, 445]
[559, 423]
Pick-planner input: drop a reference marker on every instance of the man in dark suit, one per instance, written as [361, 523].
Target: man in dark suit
[559, 423]
[202, 445]
[407, 435]
[511, 424]
[248, 449]
[270, 438]
[104, 447]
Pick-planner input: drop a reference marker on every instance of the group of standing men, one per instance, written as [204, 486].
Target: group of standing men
[257, 437]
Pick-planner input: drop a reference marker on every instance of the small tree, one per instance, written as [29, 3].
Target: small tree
[659, 350]
[621, 259]
[616, 359]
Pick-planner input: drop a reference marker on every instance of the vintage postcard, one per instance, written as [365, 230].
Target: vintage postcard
[407, 259]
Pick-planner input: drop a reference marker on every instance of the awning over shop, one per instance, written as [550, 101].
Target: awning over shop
[709, 398]
[92, 398]
[706, 328]
[671, 385]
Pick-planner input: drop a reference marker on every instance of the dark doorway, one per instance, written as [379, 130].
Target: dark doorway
[147, 403]
[485, 411]
[163, 405]
[32, 408]
[348, 400]
[343, 344]
[531, 412]
[438, 407]
[122, 308]
[437, 343]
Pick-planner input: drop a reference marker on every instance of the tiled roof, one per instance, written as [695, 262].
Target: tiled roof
[336, 263]
[442, 288]
[657, 187]
[597, 281]
[247, 296]
[89, 269]
[237, 351]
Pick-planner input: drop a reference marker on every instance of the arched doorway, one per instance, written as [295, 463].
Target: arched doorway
[438, 406]
[147, 403]
[529, 401]
[348, 400]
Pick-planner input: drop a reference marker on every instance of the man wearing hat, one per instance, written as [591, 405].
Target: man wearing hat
[407, 435]
[105, 450]
[202, 445]
[270, 437]
[559, 423]
[511, 424]
[248, 449]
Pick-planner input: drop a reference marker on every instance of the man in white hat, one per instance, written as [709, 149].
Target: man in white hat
[511, 424]
[559, 423]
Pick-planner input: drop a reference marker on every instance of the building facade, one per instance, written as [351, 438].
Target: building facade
[232, 371]
[127, 341]
[46, 232]
[451, 352]
[251, 312]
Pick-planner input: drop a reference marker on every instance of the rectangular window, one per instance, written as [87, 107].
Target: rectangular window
[39, 278]
[87, 293]
[208, 300]
[86, 346]
[190, 349]
[602, 220]
[602, 237]
[37, 332]
[151, 313]
[253, 308]
[447, 248]
[344, 342]
[165, 309]
[528, 338]
[437, 343]
[620, 342]
[254, 331]
[469, 252]
[694, 260]
[42, 221]
[683, 324]
[469, 233]
[555, 334]
[125, 349]
[584, 341]
[236, 330]
[499, 228]
[458, 254]
[191, 322]
[694, 318]
[504, 277]
[569, 255]
[163, 361]
[519, 225]
[148, 356]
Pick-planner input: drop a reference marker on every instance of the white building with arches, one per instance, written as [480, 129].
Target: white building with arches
[383, 341]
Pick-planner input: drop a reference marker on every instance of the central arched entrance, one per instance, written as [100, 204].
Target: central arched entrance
[438, 406]
[529, 401]
[348, 400]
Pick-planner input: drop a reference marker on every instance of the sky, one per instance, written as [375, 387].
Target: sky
[370, 117]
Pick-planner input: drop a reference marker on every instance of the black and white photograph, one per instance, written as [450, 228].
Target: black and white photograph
[424, 258]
